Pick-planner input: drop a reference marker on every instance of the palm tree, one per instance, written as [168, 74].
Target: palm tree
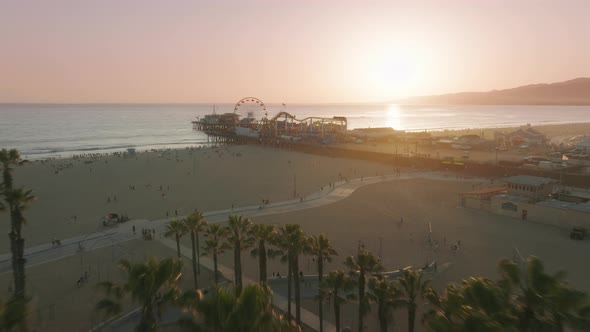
[293, 242]
[362, 266]
[176, 227]
[338, 286]
[195, 223]
[152, 284]
[215, 245]
[321, 248]
[239, 238]
[542, 301]
[384, 293]
[264, 234]
[17, 200]
[411, 285]
[226, 310]
[477, 304]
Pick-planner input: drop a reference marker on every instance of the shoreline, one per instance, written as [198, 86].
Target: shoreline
[549, 130]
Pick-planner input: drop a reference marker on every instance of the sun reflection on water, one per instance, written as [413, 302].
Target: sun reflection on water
[394, 117]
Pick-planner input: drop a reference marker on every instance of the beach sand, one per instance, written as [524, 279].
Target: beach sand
[371, 214]
[72, 200]
[244, 175]
[60, 305]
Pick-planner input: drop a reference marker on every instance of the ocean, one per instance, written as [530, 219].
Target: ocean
[42, 130]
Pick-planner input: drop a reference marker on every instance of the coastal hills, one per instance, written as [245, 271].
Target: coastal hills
[572, 92]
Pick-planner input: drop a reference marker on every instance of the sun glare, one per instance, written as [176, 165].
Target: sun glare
[394, 71]
[394, 117]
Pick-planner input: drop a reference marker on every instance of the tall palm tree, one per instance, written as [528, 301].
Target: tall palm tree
[384, 293]
[16, 199]
[338, 286]
[294, 243]
[321, 248]
[152, 284]
[542, 301]
[264, 235]
[226, 310]
[361, 267]
[411, 284]
[215, 245]
[239, 238]
[195, 223]
[176, 228]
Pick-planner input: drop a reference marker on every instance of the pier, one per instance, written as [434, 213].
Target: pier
[250, 121]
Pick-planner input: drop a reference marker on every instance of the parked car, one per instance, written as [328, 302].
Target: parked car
[578, 233]
[113, 218]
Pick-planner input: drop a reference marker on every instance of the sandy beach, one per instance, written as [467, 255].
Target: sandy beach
[72, 195]
[371, 214]
[59, 304]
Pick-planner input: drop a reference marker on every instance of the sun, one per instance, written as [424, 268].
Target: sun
[394, 71]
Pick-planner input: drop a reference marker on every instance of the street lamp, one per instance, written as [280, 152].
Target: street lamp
[294, 184]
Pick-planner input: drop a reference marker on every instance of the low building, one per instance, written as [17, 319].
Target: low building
[583, 147]
[523, 136]
[471, 140]
[527, 198]
[480, 199]
[564, 215]
[379, 134]
[533, 188]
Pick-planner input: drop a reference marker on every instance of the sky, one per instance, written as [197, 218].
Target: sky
[300, 51]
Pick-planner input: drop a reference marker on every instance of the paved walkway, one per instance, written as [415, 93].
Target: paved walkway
[113, 236]
[123, 232]
[307, 317]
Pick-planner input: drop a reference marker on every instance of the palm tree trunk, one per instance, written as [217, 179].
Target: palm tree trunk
[336, 312]
[20, 262]
[17, 247]
[297, 289]
[238, 268]
[215, 273]
[411, 319]
[18, 274]
[321, 301]
[178, 245]
[198, 255]
[148, 322]
[262, 261]
[361, 300]
[382, 317]
[289, 281]
[194, 260]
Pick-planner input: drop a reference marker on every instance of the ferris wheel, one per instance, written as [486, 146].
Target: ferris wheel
[251, 108]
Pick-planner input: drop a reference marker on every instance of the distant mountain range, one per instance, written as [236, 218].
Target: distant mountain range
[572, 92]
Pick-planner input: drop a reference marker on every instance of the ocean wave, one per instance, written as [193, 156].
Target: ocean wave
[109, 148]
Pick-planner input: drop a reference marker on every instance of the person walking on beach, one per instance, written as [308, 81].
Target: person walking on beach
[133, 228]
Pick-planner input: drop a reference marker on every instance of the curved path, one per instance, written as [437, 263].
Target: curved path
[123, 232]
[46, 253]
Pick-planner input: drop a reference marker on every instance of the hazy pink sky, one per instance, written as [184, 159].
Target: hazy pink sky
[283, 51]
